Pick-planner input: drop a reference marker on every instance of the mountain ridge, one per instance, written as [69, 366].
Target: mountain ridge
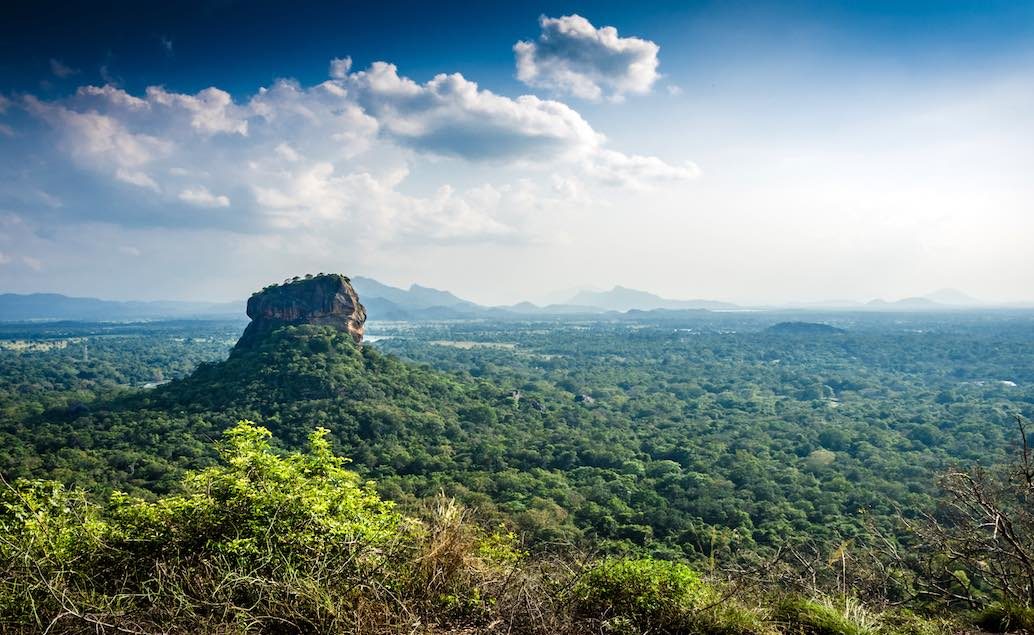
[622, 298]
[57, 306]
[422, 303]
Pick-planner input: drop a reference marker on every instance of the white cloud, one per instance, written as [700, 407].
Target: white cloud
[60, 69]
[92, 137]
[5, 103]
[321, 120]
[136, 178]
[569, 188]
[211, 111]
[113, 96]
[336, 157]
[339, 67]
[201, 197]
[6, 130]
[637, 171]
[450, 115]
[316, 196]
[573, 57]
[287, 153]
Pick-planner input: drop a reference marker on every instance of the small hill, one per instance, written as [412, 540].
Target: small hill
[624, 299]
[804, 328]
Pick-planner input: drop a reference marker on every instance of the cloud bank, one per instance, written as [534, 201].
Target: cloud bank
[353, 169]
[339, 153]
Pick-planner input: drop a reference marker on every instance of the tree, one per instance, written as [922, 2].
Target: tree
[981, 542]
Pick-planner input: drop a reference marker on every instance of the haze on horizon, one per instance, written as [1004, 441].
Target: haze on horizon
[753, 152]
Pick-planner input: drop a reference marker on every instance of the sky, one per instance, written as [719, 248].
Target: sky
[754, 152]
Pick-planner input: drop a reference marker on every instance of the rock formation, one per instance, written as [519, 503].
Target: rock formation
[326, 300]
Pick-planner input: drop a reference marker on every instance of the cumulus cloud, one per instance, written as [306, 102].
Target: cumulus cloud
[339, 67]
[210, 111]
[108, 95]
[318, 196]
[97, 139]
[5, 103]
[450, 115]
[637, 171]
[573, 57]
[201, 197]
[345, 157]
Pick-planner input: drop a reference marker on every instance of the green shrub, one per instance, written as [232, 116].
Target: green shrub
[825, 616]
[648, 594]
[265, 539]
[905, 622]
[657, 596]
[1007, 618]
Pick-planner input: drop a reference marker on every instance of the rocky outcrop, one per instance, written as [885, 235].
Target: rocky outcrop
[326, 300]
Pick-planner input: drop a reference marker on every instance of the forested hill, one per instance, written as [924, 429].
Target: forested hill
[804, 328]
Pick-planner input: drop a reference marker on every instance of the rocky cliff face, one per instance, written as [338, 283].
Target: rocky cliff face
[326, 299]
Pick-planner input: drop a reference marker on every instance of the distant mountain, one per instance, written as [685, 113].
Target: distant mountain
[419, 303]
[416, 297]
[834, 304]
[385, 302]
[942, 299]
[385, 310]
[382, 302]
[623, 299]
[527, 308]
[522, 307]
[952, 297]
[905, 304]
[55, 306]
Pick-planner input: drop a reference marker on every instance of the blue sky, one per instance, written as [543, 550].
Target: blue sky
[238, 45]
[756, 152]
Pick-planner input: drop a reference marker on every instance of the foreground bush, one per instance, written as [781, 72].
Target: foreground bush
[656, 596]
[1003, 618]
[295, 543]
[294, 540]
[263, 543]
[826, 617]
